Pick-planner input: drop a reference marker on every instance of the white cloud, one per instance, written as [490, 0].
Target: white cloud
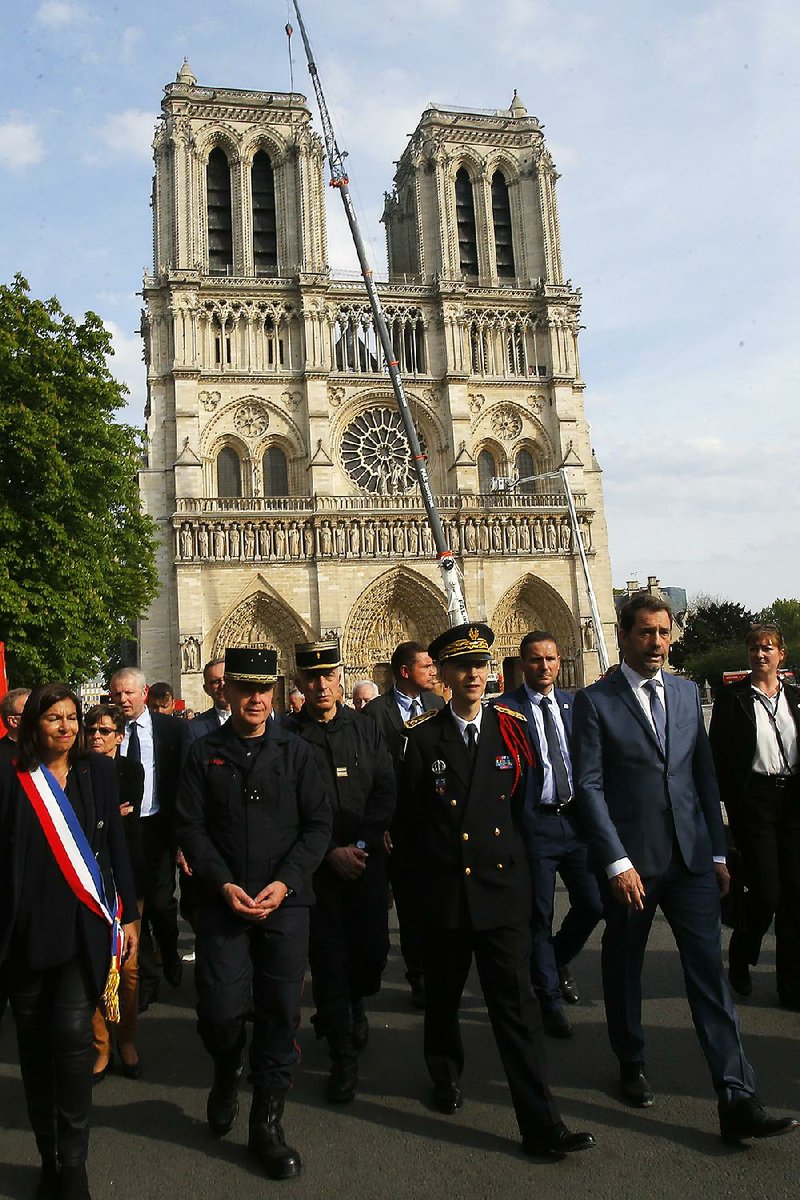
[127, 366]
[129, 133]
[56, 14]
[20, 144]
[131, 37]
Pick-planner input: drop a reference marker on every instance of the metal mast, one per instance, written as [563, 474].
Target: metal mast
[456, 607]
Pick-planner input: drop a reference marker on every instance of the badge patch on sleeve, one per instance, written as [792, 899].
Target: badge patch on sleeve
[504, 762]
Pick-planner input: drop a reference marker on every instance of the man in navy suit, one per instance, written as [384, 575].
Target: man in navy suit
[648, 801]
[210, 720]
[552, 839]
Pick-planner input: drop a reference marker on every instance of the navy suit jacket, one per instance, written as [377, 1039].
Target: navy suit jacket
[634, 800]
[384, 712]
[203, 723]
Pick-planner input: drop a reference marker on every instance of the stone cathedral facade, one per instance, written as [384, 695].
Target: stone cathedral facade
[276, 466]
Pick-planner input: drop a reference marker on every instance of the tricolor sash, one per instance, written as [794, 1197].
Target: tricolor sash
[77, 864]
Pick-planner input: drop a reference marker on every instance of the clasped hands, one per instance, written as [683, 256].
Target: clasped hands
[255, 908]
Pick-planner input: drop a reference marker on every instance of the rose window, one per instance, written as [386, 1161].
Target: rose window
[375, 453]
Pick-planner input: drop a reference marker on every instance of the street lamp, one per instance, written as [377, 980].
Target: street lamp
[505, 484]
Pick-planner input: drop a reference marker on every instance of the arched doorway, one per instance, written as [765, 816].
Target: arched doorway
[529, 604]
[399, 606]
[264, 621]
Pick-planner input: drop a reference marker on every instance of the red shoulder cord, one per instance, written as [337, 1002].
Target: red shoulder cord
[516, 741]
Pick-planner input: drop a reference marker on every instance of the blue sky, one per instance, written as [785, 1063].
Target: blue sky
[675, 129]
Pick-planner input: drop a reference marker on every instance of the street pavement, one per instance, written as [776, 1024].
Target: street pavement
[149, 1137]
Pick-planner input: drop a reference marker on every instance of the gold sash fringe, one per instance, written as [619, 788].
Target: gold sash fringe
[111, 993]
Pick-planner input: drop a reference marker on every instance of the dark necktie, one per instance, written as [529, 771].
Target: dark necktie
[472, 743]
[554, 753]
[657, 712]
[416, 709]
[134, 751]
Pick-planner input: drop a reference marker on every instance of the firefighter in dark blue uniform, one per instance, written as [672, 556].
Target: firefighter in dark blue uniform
[349, 922]
[254, 822]
[458, 836]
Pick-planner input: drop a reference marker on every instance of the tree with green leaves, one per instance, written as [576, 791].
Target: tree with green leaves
[714, 629]
[786, 615]
[77, 555]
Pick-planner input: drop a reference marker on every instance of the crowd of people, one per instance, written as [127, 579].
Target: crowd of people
[281, 836]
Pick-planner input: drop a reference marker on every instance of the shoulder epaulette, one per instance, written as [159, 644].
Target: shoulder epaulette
[424, 716]
[512, 712]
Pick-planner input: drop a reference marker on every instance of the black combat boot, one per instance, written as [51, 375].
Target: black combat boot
[266, 1141]
[49, 1185]
[343, 1079]
[73, 1184]
[222, 1107]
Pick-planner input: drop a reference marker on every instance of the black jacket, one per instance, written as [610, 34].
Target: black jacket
[358, 773]
[733, 736]
[458, 835]
[170, 747]
[384, 712]
[130, 776]
[96, 776]
[251, 822]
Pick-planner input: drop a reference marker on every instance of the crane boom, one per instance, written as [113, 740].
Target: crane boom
[456, 606]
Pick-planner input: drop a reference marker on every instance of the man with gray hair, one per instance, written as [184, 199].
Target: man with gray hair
[11, 707]
[364, 691]
[160, 744]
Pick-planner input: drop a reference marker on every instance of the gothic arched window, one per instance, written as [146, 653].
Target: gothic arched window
[501, 219]
[229, 472]
[275, 471]
[265, 228]
[220, 220]
[523, 467]
[465, 219]
[487, 470]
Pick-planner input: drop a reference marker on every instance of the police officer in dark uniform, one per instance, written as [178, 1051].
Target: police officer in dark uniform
[254, 822]
[458, 834]
[349, 923]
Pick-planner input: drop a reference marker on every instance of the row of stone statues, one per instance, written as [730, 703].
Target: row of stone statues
[251, 541]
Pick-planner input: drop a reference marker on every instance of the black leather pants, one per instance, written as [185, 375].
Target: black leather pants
[53, 1013]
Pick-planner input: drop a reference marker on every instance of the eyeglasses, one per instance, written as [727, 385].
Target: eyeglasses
[92, 729]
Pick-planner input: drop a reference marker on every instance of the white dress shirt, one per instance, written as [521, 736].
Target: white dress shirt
[768, 759]
[144, 722]
[462, 725]
[404, 704]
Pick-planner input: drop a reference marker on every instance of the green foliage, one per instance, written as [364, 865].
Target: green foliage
[786, 615]
[709, 627]
[77, 556]
[708, 665]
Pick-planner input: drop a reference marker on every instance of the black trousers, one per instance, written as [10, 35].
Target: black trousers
[409, 923]
[160, 916]
[766, 828]
[502, 957]
[53, 1012]
[242, 966]
[349, 942]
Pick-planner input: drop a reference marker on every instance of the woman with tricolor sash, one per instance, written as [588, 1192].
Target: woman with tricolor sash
[67, 922]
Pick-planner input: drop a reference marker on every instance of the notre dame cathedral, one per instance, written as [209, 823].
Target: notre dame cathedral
[276, 468]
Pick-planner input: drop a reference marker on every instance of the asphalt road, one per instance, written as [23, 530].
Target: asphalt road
[149, 1138]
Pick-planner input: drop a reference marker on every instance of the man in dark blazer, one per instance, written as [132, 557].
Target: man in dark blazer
[552, 839]
[160, 743]
[458, 835]
[210, 720]
[648, 801]
[414, 674]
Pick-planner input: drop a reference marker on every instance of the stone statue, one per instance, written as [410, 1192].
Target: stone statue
[470, 537]
[566, 535]
[511, 537]
[325, 538]
[552, 536]
[340, 535]
[190, 655]
[186, 540]
[279, 537]
[202, 540]
[249, 542]
[355, 539]
[413, 539]
[219, 542]
[234, 540]
[264, 541]
[369, 538]
[524, 537]
[308, 541]
[588, 634]
[383, 537]
[294, 540]
[538, 539]
[483, 533]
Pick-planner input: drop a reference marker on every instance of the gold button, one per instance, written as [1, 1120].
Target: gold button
[499, 866]
[497, 833]
[465, 837]
[467, 870]
[453, 803]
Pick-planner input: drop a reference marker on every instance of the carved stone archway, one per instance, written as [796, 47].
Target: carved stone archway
[265, 621]
[399, 606]
[529, 604]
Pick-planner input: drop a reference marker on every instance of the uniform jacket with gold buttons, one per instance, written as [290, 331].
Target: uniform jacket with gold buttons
[457, 833]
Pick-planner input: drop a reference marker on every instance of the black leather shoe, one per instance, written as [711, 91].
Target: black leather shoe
[99, 1076]
[634, 1085]
[447, 1097]
[747, 1118]
[557, 1142]
[789, 1000]
[49, 1185]
[266, 1141]
[131, 1070]
[73, 1184]
[343, 1079]
[148, 994]
[567, 984]
[739, 979]
[222, 1106]
[360, 1026]
[556, 1023]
